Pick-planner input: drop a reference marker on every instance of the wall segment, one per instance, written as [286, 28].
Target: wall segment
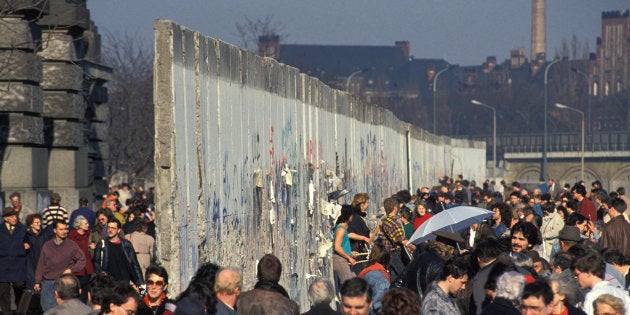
[247, 149]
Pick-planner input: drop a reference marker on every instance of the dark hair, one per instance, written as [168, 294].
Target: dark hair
[562, 260]
[618, 204]
[346, 213]
[400, 301]
[67, 287]
[614, 257]
[406, 213]
[504, 211]
[201, 287]
[356, 287]
[621, 191]
[269, 268]
[83, 201]
[158, 271]
[456, 268]
[104, 211]
[564, 211]
[575, 218]
[56, 223]
[592, 263]
[538, 289]
[579, 189]
[547, 207]
[403, 196]
[487, 249]
[120, 295]
[31, 217]
[529, 230]
[101, 285]
[15, 194]
[571, 204]
[114, 220]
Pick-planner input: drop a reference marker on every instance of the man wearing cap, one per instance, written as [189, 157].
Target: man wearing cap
[85, 212]
[569, 236]
[12, 259]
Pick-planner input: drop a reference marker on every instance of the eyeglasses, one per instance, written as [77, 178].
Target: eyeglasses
[577, 274]
[158, 283]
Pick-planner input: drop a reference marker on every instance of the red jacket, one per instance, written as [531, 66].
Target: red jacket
[587, 209]
[83, 241]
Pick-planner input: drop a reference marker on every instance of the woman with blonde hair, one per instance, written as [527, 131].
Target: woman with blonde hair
[607, 304]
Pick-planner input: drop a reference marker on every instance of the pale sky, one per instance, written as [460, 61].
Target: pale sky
[461, 31]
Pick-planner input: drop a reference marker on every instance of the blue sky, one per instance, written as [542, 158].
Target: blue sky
[461, 31]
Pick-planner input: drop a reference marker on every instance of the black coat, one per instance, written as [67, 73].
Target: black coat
[35, 243]
[423, 269]
[12, 253]
[321, 309]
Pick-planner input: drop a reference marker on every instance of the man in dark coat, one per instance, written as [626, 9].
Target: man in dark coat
[268, 297]
[12, 259]
[427, 266]
[616, 233]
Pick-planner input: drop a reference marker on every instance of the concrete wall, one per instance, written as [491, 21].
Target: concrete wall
[228, 123]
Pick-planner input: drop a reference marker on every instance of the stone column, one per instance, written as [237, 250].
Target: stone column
[23, 164]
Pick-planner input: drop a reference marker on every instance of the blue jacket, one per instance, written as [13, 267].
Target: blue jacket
[12, 253]
[101, 259]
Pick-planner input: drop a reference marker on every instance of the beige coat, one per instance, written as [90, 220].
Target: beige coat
[143, 245]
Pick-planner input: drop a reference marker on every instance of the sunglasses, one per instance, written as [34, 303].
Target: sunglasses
[158, 283]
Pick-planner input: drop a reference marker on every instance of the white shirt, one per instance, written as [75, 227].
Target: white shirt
[605, 287]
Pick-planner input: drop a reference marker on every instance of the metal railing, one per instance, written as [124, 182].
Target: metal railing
[559, 142]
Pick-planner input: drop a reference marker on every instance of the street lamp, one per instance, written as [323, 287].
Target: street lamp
[494, 133]
[350, 78]
[588, 93]
[582, 154]
[543, 168]
[435, 98]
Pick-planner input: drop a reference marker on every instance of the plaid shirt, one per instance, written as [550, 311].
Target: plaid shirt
[394, 231]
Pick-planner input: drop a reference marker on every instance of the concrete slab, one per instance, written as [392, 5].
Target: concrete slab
[67, 168]
[21, 97]
[61, 104]
[57, 45]
[16, 33]
[21, 129]
[25, 167]
[62, 76]
[18, 65]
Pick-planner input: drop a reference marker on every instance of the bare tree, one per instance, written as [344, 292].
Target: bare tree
[249, 30]
[131, 106]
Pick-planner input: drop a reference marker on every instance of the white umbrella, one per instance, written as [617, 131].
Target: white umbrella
[449, 220]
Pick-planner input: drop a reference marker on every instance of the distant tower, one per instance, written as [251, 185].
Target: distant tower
[538, 29]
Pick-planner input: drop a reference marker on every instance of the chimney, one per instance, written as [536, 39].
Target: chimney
[404, 45]
[269, 46]
[538, 28]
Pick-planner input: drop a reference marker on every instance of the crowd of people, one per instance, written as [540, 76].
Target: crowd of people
[548, 250]
[551, 250]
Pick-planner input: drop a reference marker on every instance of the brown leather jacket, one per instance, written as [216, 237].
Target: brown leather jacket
[616, 234]
[265, 302]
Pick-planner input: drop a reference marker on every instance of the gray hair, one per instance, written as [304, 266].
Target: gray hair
[77, 221]
[522, 260]
[568, 288]
[510, 286]
[321, 291]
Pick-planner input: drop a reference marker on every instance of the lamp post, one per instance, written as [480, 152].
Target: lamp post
[588, 93]
[435, 97]
[543, 168]
[583, 127]
[350, 78]
[494, 133]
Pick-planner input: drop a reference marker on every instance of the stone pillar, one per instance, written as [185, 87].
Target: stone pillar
[23, 164]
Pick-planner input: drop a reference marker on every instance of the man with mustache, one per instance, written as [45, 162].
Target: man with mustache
[525, 236]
